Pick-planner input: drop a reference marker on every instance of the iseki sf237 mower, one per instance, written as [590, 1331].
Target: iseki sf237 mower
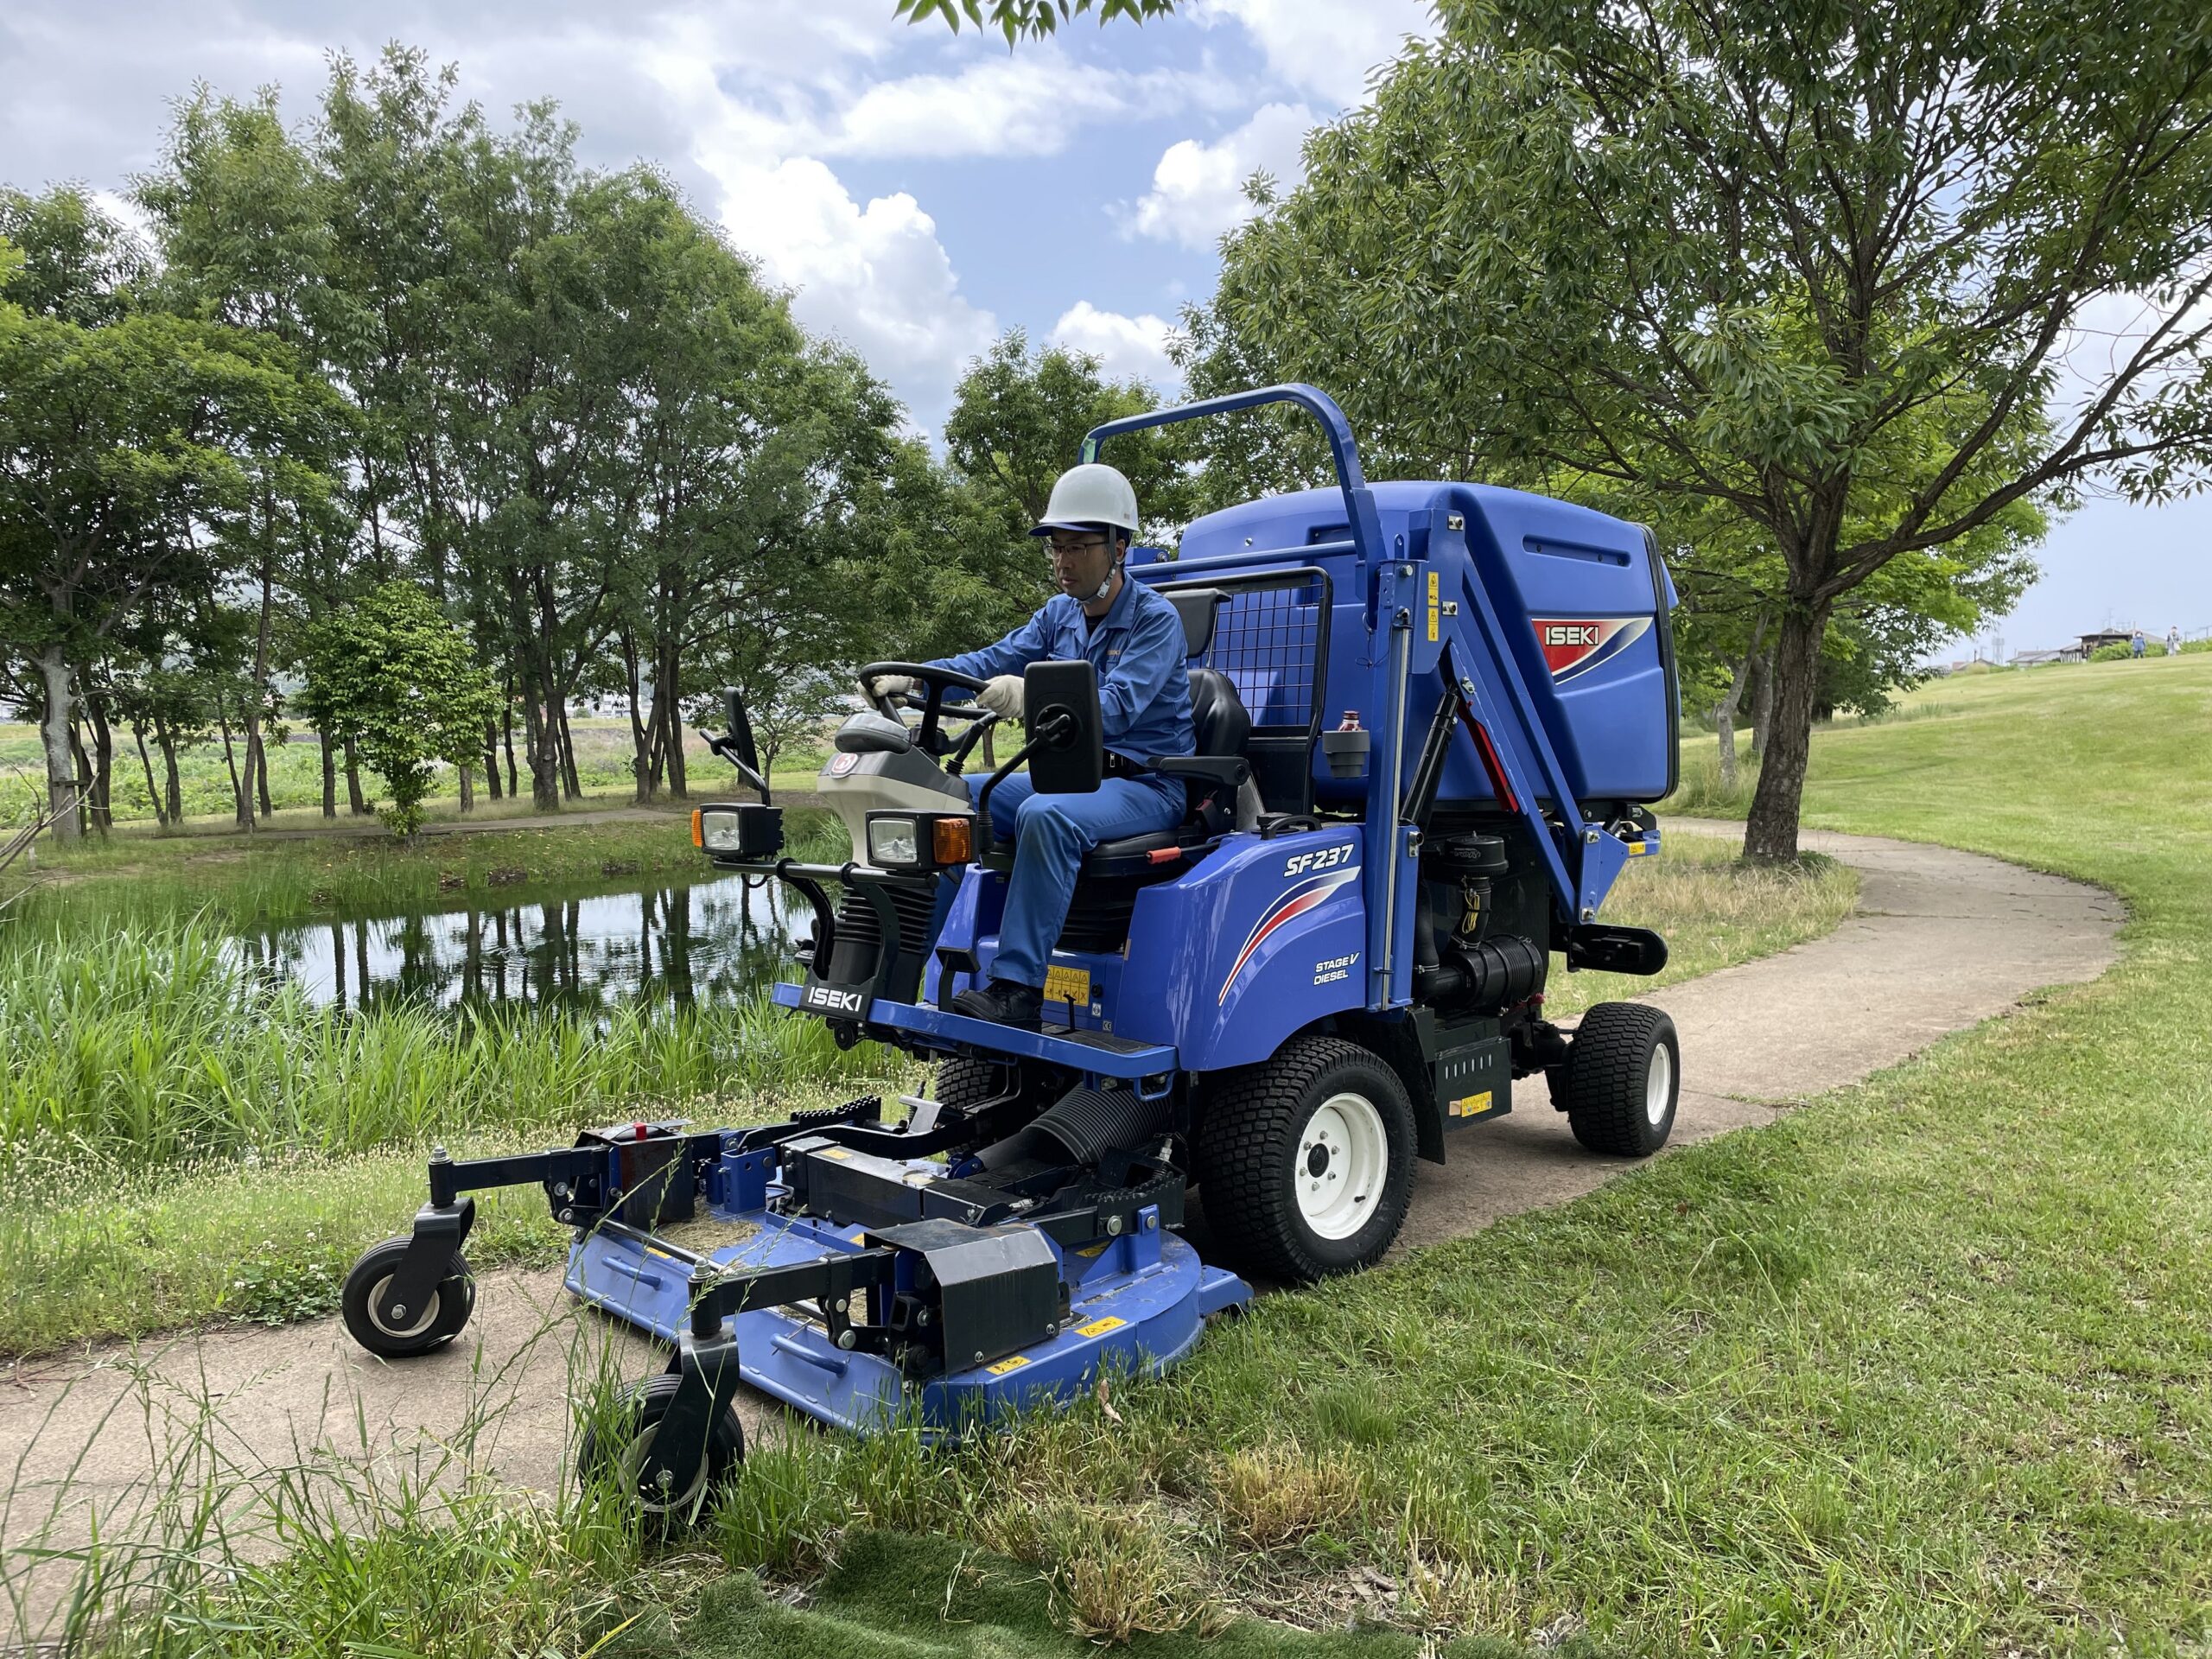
[1429, 717]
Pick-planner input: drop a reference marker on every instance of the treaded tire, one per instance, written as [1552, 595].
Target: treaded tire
[614, 1447]
[964, 1082]
[1248, 1155]
[451, 1302]
[1613, 1101]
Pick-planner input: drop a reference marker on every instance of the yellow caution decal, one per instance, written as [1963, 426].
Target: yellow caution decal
[1100, 1327]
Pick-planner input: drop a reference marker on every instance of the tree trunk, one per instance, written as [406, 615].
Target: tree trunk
[507, 738]
[102, 767]
[238, 801]
[260, 759]
[492, 758]
[645, 775]
[54, 732]
[172, 778]
[1762, 701]
[329, 774]
[1771, 832]
[356, 803]
[1724, 716]
[146, 765]
[467, 775]
[257, 760]
[570, 788]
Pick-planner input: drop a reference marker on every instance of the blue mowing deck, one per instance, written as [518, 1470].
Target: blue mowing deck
[1140, 1303]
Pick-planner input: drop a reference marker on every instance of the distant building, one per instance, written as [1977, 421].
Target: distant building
[2038, 658]
[2095, 642]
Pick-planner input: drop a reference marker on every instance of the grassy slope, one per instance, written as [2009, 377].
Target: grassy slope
[1925, 1367]
[275, 880]
[603, 757]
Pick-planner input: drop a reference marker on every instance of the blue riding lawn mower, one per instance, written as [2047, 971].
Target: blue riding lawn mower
[1430, 718]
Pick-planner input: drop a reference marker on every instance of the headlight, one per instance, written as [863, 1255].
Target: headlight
[892, 843]
[744, 831]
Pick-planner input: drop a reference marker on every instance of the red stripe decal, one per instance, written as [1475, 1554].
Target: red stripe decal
[1293, 904]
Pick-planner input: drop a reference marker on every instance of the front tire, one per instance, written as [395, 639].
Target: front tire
[1307, 1161]
[431, 1326]
[1621, 1080]
[615, 1449]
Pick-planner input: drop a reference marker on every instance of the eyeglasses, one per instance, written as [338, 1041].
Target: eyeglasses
[1070, 549]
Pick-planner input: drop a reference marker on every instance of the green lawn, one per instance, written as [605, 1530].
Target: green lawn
[1925, 1367]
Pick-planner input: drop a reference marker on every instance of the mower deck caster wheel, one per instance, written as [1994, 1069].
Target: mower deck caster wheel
[1620, 1080]
[614, 1447]
[1307, 1161]
[423, 1329]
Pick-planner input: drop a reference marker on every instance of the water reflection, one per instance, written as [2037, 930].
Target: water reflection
[710, 940]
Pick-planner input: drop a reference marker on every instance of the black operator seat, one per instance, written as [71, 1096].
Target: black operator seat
[1220, 725]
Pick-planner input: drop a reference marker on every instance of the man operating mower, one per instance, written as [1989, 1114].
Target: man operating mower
[1133, 637]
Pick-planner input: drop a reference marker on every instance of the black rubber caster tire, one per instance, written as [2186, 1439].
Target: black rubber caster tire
[451, 1304]
[1274, 1136]
[616, 1446]
[1621, 1080]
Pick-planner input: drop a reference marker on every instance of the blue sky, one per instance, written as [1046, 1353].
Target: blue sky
[920, 192]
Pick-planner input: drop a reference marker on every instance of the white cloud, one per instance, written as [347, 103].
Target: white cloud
[1032, 103]
[877, 277]
[1197, 190]
[1324, 47]
[1127, 348]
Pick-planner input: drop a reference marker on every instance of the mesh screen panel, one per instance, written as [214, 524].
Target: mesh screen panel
[1265, 642]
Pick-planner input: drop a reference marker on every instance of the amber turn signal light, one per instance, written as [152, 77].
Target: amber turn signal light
[949, 840]
[698, 834]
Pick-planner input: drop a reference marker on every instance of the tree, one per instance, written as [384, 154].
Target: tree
[129, 447]
[1815, 268]
[1034, 19]
[392, 674]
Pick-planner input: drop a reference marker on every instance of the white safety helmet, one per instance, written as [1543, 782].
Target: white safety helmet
[1091, 497]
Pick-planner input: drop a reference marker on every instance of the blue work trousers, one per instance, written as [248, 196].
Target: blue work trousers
[1052, 834]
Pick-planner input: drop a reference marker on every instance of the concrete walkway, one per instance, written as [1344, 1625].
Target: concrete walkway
[1941, 940]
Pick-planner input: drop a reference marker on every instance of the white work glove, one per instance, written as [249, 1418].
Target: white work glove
[889, 686]
[1003, 697]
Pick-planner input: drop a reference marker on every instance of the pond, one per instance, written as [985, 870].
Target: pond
[701, 941]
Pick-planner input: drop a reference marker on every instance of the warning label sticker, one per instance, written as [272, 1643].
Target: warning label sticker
[1100, 1327]
[1067, 985]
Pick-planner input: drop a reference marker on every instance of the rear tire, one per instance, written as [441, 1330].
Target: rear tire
[1307, 1161]
[1621, 1080]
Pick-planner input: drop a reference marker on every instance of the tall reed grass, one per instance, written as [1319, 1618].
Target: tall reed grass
[150, 1042]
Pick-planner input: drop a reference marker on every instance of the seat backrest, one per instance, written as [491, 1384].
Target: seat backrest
[1218, 714]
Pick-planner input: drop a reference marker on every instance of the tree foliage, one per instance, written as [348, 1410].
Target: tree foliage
[1805, 272]
[1031, 19]
[390, 673]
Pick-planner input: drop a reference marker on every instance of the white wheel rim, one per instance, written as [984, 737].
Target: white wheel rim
[1659, 1084]
[633, 1465]
[1342, 1161]
[376, 1301]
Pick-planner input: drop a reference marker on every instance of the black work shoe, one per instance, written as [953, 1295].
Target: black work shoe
[1003, 1002]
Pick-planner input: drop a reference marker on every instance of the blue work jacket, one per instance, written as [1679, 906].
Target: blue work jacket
[1144, 687]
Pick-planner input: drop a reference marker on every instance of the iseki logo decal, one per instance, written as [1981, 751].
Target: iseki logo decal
[1574, 645]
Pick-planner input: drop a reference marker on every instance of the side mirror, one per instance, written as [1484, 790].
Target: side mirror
[736, 746]
[1067, 745]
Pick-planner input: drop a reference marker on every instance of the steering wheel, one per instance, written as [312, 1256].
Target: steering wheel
[935, 709]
